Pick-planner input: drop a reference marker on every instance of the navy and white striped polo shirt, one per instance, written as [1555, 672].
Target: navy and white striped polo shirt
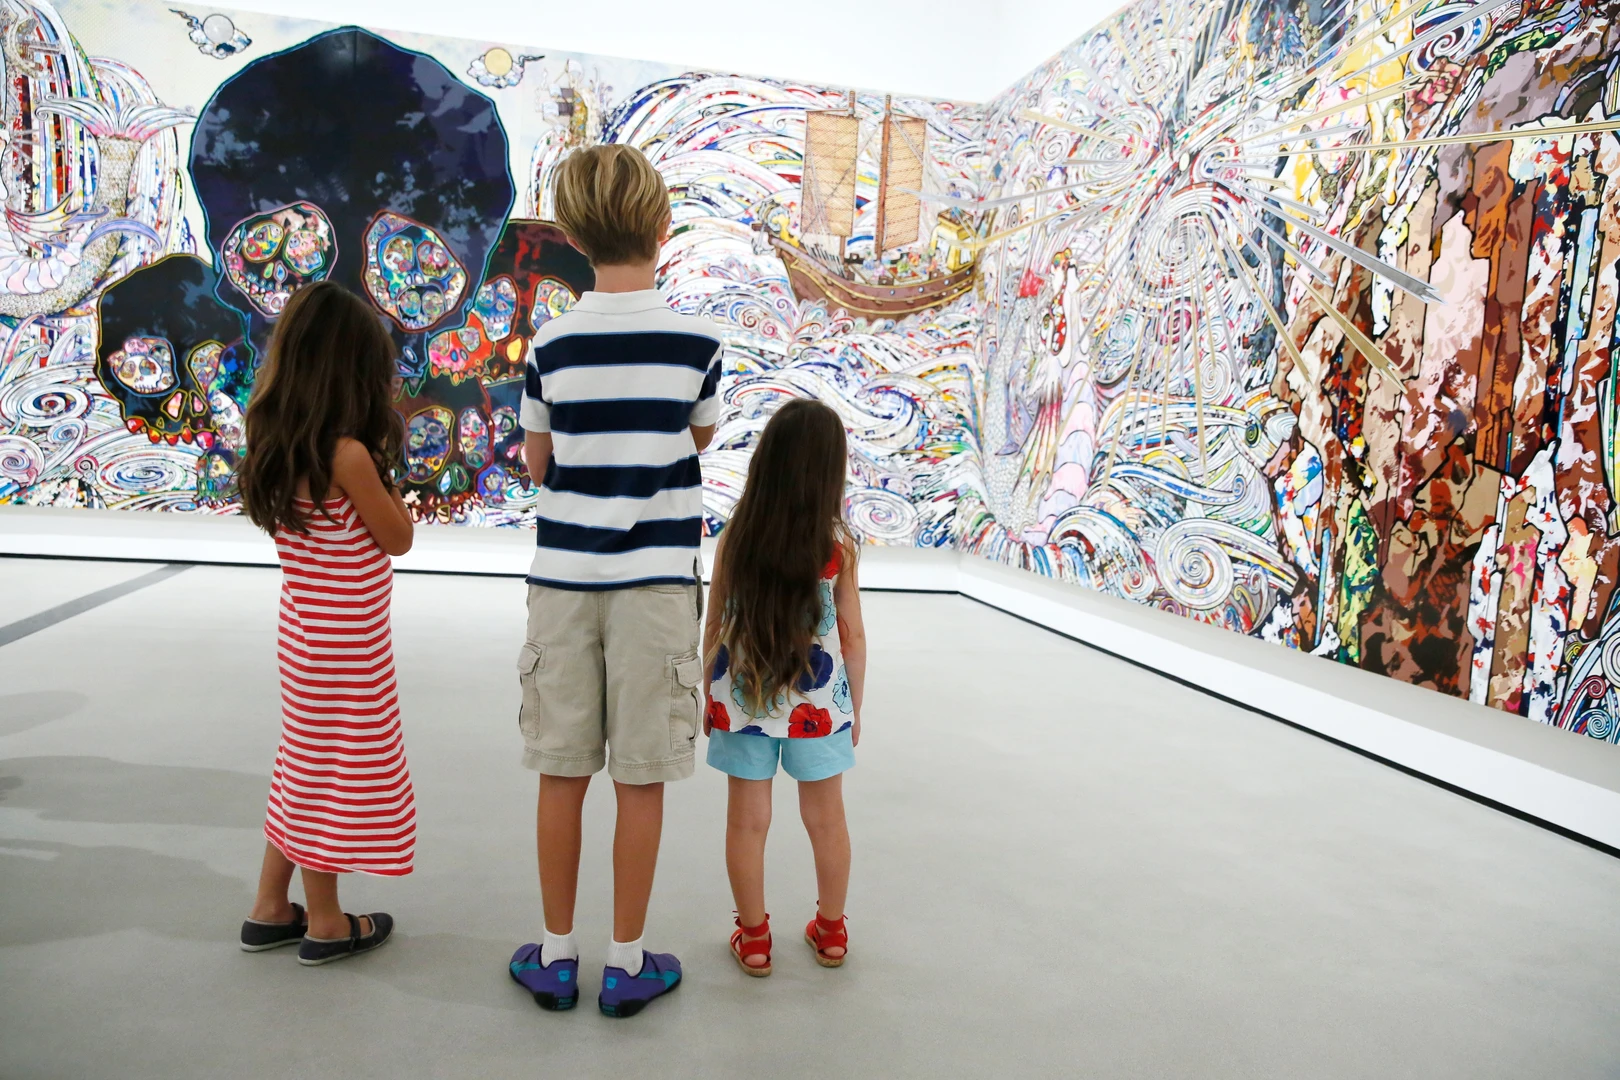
[619, 381]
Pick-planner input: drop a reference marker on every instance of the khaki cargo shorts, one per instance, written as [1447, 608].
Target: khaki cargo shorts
[612, 671]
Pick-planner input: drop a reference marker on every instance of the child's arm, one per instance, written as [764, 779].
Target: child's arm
[711, 625]
[537, 454]
[852, 632]
[702, 436]
[379, 505]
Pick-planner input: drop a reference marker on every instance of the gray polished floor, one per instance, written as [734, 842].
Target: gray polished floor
[1064, 866]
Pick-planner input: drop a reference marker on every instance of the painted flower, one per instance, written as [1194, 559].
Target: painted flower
[809, 722]
[833, 564]
[829, 614]
[841, 697]
[819, 670]
[722, 661]
[719, 718]
[741, 702]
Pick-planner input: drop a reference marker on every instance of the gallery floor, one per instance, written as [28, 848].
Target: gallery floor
[1065, 866]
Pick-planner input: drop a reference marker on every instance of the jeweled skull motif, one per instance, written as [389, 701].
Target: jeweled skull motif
[269, 256]
[411, 273]
[535, 275]
[175, 360]
[409, 168]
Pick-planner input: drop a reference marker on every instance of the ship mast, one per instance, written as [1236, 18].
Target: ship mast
[843, 240]
[883, 179]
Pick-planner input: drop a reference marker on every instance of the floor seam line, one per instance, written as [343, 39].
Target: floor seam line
[43, 620]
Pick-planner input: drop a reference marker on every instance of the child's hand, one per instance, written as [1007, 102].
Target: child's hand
[855, 732]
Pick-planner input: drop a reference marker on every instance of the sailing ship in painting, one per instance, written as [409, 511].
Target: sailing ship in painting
[831, 201]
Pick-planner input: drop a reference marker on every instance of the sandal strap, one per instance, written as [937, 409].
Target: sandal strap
[764, 928]
[759, 946]
[829, 933]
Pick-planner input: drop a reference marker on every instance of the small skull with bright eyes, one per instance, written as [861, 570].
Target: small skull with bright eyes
[270, 256]
[180, 371]
[411, 273]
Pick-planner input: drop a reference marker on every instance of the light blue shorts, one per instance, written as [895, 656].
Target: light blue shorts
[754, 757]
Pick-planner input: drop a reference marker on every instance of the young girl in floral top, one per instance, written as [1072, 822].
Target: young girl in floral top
[786, 655]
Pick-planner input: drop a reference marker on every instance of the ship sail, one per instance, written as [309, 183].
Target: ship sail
[899, 215]
[827, 191]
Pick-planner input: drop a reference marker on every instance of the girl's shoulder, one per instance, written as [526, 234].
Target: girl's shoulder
[844, 554]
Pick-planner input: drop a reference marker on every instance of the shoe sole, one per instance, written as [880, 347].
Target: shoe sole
[824, 961]
[548, 1002]
[757, 972]
[625, 1010]
[273, 945]
[345, 955]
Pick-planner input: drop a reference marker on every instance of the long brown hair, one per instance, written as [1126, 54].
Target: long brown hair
[781, 535]
[329, 374]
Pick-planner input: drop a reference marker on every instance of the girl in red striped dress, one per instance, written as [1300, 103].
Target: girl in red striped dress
[322, 439]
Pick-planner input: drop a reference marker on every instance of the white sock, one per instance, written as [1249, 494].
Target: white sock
[626, 955]
[557, 947]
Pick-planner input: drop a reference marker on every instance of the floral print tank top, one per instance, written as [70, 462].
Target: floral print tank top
[816, 705]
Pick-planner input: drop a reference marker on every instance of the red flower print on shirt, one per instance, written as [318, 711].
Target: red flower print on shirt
[719, 719]
[809, 722]
[834, 564]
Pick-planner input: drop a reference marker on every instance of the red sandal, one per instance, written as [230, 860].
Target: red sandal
[822, 934]
[761, 946]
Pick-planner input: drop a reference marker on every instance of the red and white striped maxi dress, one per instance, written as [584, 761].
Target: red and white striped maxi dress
[340, 796]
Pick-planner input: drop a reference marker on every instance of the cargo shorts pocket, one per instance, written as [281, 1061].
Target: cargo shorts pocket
[686, 702]
[531, 658]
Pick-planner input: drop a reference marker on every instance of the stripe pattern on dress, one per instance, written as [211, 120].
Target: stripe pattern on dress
[340, 795]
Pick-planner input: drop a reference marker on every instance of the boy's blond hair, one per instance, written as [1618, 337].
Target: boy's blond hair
[612, 203]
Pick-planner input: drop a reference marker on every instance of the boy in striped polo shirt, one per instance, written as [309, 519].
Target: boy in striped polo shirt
[619, 401]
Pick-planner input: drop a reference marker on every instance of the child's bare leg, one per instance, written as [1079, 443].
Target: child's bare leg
[326, 919]
[636, 834]
[821, 805]
[748, 820]
[556, 833]
[275, 876]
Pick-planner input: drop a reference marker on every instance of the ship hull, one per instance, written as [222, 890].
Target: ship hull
[810, 281]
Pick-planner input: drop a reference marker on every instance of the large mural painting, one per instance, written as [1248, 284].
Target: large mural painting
[1306, 327]
[1297, 318]
[171, 177]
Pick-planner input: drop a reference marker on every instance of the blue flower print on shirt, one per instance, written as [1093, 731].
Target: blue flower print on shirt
[742, 703]
[841, 696]
[846, 726]
[829, 614]
[821, 669]
[722, 660]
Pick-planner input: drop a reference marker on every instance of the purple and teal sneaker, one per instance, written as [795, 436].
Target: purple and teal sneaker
[626, 995]
[555, 987]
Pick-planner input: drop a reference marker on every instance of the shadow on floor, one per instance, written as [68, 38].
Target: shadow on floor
[95, 789]
[19, 712]
[58, 892]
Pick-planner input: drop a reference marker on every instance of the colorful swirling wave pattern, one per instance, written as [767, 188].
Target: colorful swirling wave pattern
[1287, 337]
[731, 150]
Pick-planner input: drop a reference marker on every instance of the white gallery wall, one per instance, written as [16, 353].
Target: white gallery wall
[969, 50]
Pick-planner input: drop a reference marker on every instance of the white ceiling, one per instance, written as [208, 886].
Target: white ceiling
[958, 49]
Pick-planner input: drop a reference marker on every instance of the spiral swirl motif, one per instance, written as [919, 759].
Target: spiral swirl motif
[1611, 659]
[1597, 722]
[1193, 567]
[42, 399]
[882, 516]
[21, 463]
[1458, 43]
[134, 467]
